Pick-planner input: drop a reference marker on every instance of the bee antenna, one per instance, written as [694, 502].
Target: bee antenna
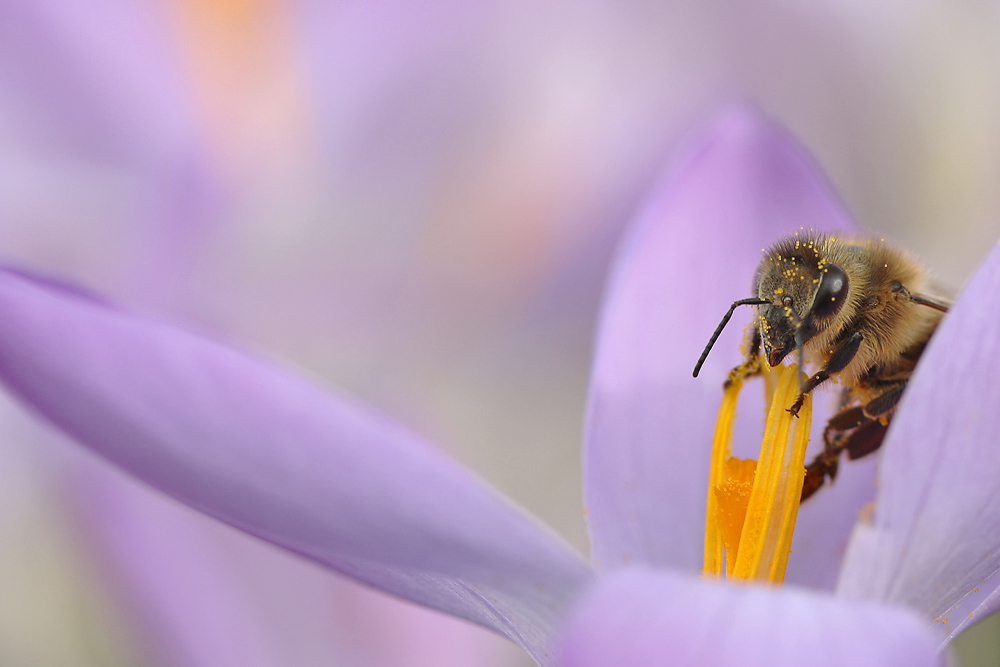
[722, 325]
[897, 287]
[924, 301]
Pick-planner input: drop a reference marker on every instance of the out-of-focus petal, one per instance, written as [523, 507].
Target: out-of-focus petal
[188, 585]
[202, 594]
[933, 540]
[975, 607]
[101, 78]
[691, 252]
[640, 617]
[277, 457]
[827, 519]
[96, 112]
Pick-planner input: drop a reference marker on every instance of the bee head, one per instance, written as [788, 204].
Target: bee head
[803, 292]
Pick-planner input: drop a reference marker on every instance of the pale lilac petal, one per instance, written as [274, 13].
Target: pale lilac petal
[102, 79]
[96, 112]
[970, 610]
[691, 252]
[638, 617]
[201, 594]
[277, 457]
[827, 519]
[933, 538]
[188, 583]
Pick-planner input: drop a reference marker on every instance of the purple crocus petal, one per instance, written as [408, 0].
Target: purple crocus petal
[973, 608]
[188, 586]
[102, 83]
[933, 538]
[639, 617]
[827, 520]
[691, 252]
[274, 455]
[204, 595]
[100, 77]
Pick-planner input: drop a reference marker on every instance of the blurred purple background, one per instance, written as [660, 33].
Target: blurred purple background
[416, 202]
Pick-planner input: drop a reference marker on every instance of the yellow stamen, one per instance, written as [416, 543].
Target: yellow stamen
[720, 452]
[752, 506]
[732, 495]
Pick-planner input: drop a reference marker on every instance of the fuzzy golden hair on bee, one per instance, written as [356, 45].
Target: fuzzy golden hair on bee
[853, 307]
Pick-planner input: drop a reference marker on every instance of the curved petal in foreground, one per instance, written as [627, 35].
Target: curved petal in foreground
[185, 583]
[933, 540]
[274, 455]
[640, 617]
[691, 252]
[98, 77]
[201, 594]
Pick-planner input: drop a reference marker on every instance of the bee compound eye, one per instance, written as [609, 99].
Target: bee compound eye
[831, 293]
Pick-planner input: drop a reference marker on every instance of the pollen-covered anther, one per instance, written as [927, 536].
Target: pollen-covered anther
[752, 505]
[733, 495]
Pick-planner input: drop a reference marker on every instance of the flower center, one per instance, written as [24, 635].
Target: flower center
[752, 505]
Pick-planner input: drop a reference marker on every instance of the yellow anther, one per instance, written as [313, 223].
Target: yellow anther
[752, 506]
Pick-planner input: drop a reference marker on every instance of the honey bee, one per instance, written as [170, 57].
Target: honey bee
[853, 307]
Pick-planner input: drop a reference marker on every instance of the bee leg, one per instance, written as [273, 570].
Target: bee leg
[845, 420]
[859, 431]
[838, 361]
[836, 438]
[885, 403]
[816, 473]
[837, 431]
[866, 439]
[749, 368]
[862, 441]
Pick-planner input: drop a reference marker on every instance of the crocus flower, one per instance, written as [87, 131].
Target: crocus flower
[110, 174]
[246, 442]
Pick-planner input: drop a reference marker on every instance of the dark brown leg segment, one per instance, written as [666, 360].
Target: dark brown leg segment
[865, 439]
[886, 402]
[836, 435]
[844, 420]
[858, 430]
[837, 363]
[815, 477]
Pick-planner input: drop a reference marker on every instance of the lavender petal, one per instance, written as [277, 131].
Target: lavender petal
[277, 457]
[932, 542]
[692, 251]
[639, 617]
